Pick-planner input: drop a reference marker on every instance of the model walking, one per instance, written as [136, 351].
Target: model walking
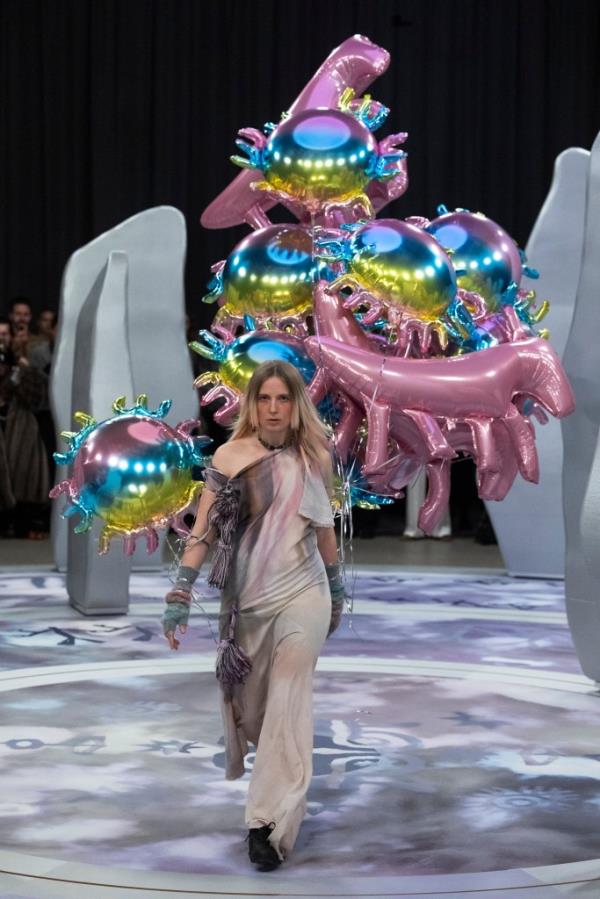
[266, 506]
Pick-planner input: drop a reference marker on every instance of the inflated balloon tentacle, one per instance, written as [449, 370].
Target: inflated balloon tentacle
[474, 303]
[87, 517]
[106, 535]
[210, 348]
[257, 218]
[257, 138]
[334, 212]
[438, 494]
[515, 325]
[318, 387]
[345, 433]
[431, 433]
[532, 409]
[215, 285]
[179, 526]
[373, 313]
[227, 412]
[387, 166]
[253, 146]
[225, 334]
[424, 333]
[494, 485]
[523, 439]
[378, 422]
[217, 392]
[67, 487]
[368, 111]
[207, 377]
[295, 325]
[542, 377]
[391, 143]
[151, 540]
[442, 335]
[486, 457]
[178, 523]
[129, 544]
[185, 427]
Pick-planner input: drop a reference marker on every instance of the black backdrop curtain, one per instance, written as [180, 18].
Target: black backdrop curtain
[112, 106]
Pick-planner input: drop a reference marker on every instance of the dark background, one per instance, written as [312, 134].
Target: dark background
[112, 106]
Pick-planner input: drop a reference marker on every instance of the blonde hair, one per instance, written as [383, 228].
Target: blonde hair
[308, 433]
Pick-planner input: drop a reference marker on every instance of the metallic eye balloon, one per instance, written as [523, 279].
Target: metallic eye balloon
[486, 259]
[133, 471]
[270, 272]
[403, 267]
[320, 155]
[238, 359]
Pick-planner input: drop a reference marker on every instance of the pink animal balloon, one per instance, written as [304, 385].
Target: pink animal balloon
[434, 408]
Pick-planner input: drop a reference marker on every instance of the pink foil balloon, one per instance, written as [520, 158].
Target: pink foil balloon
[438, 395]
[356, 63]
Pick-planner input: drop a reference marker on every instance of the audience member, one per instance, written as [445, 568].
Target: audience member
[24, 481]
[5, 333]
[19, 314]
[40, 350]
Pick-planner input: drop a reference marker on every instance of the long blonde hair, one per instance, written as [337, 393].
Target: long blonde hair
[308, 433]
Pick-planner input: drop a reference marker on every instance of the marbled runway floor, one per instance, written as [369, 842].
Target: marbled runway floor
[457, 750]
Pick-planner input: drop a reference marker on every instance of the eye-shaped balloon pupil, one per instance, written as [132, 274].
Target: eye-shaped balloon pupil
[323, 133]
[282, 255]
[452, 237]
[380, 239]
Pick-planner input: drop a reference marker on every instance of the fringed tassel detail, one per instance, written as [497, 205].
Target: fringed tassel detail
[233, 665]
[223, 517]
[220, 566]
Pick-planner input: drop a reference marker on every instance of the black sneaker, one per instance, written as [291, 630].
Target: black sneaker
[260, 851]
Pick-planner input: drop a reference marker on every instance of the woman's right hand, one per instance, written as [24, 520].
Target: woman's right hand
[176, 615]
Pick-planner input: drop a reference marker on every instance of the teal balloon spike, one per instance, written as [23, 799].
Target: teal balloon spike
[458, 320]
[254, 158]
[384, 167]
[213, 348]
[140, 407]
[215, 288]
[527, 270]
[195, 451]
[74, 439]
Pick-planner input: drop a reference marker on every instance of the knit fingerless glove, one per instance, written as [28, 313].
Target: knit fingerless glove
[179, 599]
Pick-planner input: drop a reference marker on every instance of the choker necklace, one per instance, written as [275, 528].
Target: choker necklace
[271, 446]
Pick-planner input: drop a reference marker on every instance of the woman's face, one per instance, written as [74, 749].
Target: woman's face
[274, 407]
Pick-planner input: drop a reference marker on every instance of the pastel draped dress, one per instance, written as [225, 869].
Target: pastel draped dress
[277, 578]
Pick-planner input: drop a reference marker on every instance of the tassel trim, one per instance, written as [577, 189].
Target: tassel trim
[223, 516]
[233, 665]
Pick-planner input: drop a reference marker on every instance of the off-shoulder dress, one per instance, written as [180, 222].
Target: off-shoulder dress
[277, 579]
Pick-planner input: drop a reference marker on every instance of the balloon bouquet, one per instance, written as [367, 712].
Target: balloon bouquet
[414, 337]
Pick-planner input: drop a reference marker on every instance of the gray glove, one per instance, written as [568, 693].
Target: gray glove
[176, 614]
[179, 599]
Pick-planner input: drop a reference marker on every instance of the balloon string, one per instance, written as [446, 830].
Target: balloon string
[346, 527]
